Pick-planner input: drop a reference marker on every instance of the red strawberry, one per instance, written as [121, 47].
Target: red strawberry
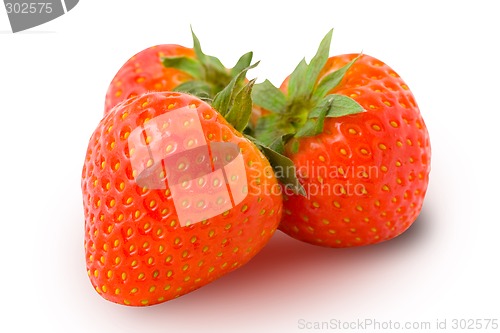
[171, 67]
[159, 222]
[359, 144]
[145, 72]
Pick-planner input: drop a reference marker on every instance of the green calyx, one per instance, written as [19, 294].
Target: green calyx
[210, 76]
[302, 111]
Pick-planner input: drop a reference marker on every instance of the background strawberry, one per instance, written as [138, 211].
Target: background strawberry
[171, 67]
[137, 251]
[359, 144]
[145, 72]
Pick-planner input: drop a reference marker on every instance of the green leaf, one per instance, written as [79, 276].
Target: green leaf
[214, 71]
[215, 66]
[332, 80]
[272, 127]
[265, 129]
[296, 82]
[295, 145]
[197, 48]
[304, 77]
[244, 61]
[314, 126]
[269, 97]
[241, 109]
[198, 88]
[283, 167]
[317, 63]
[223, 100]
[216, 62]
[278, 143]
[185, 64]
[337, 106]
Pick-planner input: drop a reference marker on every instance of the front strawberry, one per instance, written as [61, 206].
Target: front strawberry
[359, 145]
[174, 198]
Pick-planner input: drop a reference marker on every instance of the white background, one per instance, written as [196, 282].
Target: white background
[53, 79]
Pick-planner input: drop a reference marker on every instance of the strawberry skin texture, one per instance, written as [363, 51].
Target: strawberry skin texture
[145, 72]
[373, 167]
[136, 251]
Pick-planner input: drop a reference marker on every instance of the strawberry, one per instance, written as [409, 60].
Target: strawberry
[174, 196]
[359, 144]
[145, 72]
[171, 67]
